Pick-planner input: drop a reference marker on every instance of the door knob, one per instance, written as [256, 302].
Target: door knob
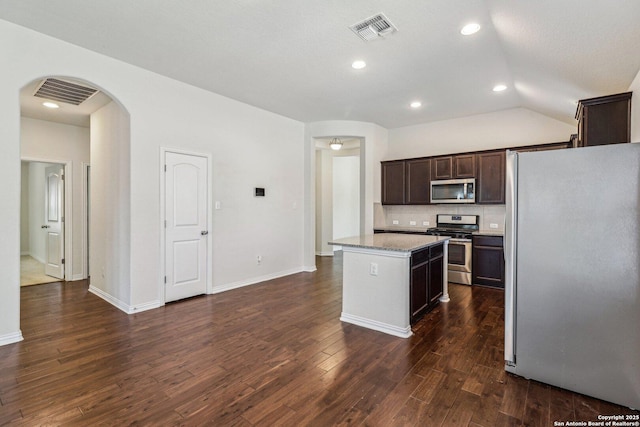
[204, 233]
[45, 226]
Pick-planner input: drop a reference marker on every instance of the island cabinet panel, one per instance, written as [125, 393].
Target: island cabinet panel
[604, 120]
[488, 261]
[418, 181]
[393, 182]
[427, 274]
[490, 177]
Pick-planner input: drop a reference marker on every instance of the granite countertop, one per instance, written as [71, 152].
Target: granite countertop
[400, 229]
[490, 232]
[390, 241]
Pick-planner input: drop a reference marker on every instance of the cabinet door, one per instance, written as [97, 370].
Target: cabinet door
[442, 167]
[418, 181]
[604, 120]
[464, 166]
[436, 266]
[490, 179]
[393, 183]
[419, 290]
[488, 261]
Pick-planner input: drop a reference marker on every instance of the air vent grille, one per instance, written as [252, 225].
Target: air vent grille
[63, 91]
[373, 27]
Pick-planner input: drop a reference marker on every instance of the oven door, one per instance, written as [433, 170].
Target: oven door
[460, 261]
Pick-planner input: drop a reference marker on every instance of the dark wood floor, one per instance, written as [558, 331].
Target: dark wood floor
[269, 354]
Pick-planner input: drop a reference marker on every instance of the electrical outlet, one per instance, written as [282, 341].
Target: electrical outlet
[493, 225]
[396, 222]
[373, 269]
[425, 222]
[412, 223]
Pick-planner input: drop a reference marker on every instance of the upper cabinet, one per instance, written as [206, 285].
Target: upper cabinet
[490, 177]
[457, 166]
[604, 120]
[393, 182]
[418, 172]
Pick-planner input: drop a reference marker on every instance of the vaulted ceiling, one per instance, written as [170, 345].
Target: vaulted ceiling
[293, 57]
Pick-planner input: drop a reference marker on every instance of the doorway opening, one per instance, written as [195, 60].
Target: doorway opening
[338, 192]
[42, 233]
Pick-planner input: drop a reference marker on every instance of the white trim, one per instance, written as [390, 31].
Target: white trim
[11, 338]
[256, 280]
[76, 277]
[309, 268]
[323, 253]
[162, 264]
[85, 222]
[122, 305]
[25, 253]
[37, 258]
[376, 326]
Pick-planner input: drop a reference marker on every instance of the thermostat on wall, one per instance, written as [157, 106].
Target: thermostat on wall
[259, 192]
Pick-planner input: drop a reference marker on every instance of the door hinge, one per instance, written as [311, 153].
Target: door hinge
[165, 280]
[165, 223]
[165, 168]
[62, 177]
[62, 260]
[62, 219]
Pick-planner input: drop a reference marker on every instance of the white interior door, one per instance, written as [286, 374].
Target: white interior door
[186, 251]
[54, 221]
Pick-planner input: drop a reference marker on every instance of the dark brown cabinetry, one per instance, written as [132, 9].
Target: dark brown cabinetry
[544, 147]
[393, 182]
[490, 177]
[487, 265]
[426, 280]
[604, 120]
[458, 166]
[418, 174]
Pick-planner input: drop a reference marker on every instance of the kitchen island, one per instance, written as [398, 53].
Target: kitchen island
[391, 280]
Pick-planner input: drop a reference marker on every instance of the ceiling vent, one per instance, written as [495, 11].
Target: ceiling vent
[373, 28]
[63, 91]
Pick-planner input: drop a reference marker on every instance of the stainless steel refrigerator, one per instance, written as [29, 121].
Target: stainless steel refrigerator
[572, 252]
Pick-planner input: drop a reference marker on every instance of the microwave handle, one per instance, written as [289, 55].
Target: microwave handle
[466, 193]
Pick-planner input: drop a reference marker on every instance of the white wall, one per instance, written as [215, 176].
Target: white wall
[109, 226]
[508, 128]
[249, 147]
[324, 202]
[346, 196]
[635, 108]
[56, 142]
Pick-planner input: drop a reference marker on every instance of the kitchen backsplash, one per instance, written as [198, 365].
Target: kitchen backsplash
[408, 215]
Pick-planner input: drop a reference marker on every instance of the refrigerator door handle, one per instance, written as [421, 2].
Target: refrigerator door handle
[510, 255]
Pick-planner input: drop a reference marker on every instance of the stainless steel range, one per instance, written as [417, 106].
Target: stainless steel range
[459, 228]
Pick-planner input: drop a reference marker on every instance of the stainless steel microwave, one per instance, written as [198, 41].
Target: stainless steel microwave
[453, 191]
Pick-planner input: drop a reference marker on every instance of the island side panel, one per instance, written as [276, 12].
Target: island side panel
[379, 302]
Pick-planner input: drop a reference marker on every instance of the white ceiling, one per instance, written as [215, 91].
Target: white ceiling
[293, 57]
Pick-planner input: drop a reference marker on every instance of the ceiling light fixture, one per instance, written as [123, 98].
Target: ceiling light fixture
[499, 88]
[469, 29]
[358, 65]
[50, 105]
[416, 104]
[335, 144]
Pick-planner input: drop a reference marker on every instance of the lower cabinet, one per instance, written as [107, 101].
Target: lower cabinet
[426, 280]
[487, 265]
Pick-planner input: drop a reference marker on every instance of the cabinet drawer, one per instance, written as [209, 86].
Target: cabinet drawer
[487, 241]
[436, 251]
[420, 256]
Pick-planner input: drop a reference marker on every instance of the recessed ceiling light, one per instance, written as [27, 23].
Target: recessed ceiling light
[499, 88]
[358, 65]
[416, 104]
[50, 105]
[469, 29]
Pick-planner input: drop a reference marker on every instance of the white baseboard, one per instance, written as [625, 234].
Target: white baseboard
[255, 280]
[76, 277]
[40, 260]
[24, 253]
[11, 338]
[376, 326]
[129, 309]
[320, 253]
[309, 268]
